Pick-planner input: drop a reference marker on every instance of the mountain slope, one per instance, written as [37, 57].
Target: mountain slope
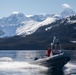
[19, 24]
[63, 29]
[15, 24]
[12, 20]
[67, 12]
[9, 24]
[30, 27]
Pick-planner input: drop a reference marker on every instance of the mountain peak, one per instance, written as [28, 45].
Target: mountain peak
[38, 18]
[68, 11]
[16, 18]
[17, 14]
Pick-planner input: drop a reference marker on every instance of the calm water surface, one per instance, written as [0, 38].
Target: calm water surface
[16, 62]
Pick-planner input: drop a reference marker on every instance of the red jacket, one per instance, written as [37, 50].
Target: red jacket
[48, 52]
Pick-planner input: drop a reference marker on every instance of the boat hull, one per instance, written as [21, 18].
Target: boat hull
[57, 61]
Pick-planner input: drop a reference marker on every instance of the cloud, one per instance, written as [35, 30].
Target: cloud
[66, 5]
[15, 12]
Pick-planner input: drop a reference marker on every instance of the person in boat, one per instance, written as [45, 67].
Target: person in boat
[48, 52]
[56, 47]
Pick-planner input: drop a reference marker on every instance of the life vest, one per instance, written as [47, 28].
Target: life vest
[55, 50]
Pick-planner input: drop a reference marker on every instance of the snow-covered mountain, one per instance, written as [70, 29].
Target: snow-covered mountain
[8, 25]
[31, 26]
[28, 29]
[19, 24]
[67, 12]
[12, 20]
[64, 29]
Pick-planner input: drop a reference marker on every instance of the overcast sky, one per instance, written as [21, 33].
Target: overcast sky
[33, 7]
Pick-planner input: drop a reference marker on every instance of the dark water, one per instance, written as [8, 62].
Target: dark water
[16, 62]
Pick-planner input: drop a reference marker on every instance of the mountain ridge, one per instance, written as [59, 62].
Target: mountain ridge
[63, 29]
[10, 25]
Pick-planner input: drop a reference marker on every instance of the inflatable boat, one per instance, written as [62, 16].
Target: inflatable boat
[57, 59]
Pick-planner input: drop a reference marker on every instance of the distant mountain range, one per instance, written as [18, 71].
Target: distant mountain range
[19, 24]
[63, 29]
[36, 32]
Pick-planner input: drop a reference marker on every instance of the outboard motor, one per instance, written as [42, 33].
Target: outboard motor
[36, 58]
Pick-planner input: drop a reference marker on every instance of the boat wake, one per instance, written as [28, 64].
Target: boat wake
[5, 59]
[70, 68]
[7, 63]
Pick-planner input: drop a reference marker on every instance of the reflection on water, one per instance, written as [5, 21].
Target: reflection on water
[16, 63]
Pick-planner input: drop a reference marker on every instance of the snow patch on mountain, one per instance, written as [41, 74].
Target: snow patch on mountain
[70, 21]
[58, 16]
[48, 28]
[31, 26]
[28, 15]
[73, 41]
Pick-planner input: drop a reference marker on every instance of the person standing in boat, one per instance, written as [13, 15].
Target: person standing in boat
[56, 47]
[48, 52]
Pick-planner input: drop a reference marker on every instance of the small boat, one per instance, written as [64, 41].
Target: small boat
[57, 60]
